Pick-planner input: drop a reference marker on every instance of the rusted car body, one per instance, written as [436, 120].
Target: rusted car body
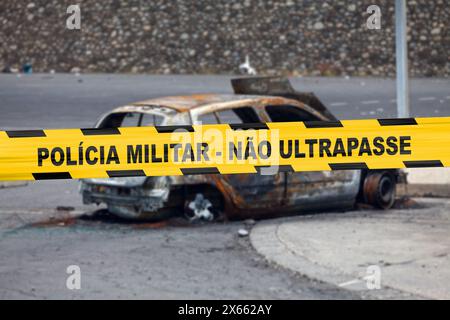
[238, 195]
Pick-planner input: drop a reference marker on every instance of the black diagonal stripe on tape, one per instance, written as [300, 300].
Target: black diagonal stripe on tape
[397, 122]
[25, 133]
[249, 126]
[283, 168]
[125, 173]
[423, 164]
[171, 129]
[212, 170]
[322, 124]
[51, 175]
[100, 131]
[348, 166]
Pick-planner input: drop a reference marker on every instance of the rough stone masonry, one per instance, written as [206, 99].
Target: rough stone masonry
[291, 37]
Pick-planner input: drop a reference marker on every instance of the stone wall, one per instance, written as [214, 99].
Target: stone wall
[308, 37]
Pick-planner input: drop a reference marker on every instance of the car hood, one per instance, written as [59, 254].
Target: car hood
[118, 182]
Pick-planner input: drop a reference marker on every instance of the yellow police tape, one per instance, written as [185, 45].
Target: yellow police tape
[224, 148]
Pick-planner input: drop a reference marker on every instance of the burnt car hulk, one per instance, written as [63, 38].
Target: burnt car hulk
[256, 100]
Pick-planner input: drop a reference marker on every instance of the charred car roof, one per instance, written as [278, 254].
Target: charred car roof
[184, 103]
[204, 103]
[256, 89]
[190, 102]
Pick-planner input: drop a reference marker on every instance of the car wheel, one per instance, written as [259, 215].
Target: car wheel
[380, 189]
[199, 208]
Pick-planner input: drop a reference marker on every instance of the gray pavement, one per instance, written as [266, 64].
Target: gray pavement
[410, 247]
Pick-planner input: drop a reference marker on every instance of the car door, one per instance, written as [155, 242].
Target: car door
[317, 189]
[247, 191]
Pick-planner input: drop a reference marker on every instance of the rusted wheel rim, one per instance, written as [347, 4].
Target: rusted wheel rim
[379, 190]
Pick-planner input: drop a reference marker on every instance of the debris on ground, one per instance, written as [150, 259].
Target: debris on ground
[65, 208]
[56, 222]
[403, 202]
[243, 233]
[407, 203]
[152, 225]
[103, 218]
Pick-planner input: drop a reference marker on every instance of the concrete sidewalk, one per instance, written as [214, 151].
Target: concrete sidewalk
[427, 182]
[411, 247]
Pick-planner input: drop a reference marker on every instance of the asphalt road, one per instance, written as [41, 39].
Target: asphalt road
[140, 262]
[65, 100]
[126, 261]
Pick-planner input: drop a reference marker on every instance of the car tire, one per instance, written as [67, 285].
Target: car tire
[380, 189]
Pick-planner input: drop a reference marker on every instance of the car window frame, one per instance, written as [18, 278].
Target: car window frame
[100, 123]
[295, 104]
[196, 114]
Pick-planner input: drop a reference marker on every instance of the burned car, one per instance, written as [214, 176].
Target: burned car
[256, 100]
